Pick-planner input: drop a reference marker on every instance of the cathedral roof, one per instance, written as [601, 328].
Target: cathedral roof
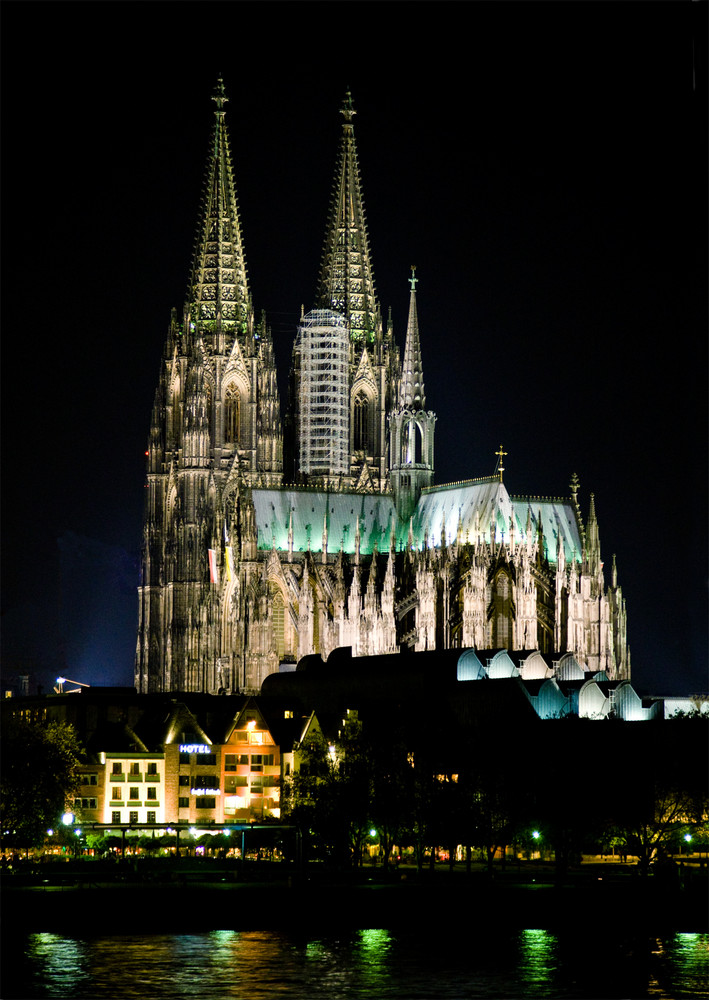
[464, 511]
[477, 509]
[308, 513]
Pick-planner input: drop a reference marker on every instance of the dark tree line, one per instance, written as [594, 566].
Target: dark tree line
[583, 785]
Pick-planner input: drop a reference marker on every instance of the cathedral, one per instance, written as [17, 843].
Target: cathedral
[269, 537]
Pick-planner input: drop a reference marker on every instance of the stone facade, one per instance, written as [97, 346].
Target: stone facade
[249, 563]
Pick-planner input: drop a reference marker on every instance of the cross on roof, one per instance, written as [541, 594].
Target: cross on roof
[500, 467]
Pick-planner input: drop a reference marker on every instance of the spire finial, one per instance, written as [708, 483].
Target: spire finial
[219, 96]
[347, 109]
[500, 467]
[413, 280]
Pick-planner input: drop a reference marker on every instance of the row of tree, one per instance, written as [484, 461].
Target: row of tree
[585, 786]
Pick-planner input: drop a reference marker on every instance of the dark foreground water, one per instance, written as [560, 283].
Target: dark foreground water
[409, 964]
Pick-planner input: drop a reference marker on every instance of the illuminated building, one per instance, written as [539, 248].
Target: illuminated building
[134, 787]
[265, 542]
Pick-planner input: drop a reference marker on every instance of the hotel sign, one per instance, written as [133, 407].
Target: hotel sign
[194, 748]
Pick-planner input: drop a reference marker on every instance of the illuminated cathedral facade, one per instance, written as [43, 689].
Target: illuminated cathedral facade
[269, 537]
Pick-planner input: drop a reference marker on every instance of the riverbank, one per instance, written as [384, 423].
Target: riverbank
[402, 900]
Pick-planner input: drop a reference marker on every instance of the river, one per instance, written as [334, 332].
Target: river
[432, 961]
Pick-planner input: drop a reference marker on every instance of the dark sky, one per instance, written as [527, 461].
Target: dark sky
[544, 166]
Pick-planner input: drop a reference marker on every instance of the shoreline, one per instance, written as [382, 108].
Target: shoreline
[333, 905]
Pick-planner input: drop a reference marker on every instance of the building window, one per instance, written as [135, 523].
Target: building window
[230, 762]
[232, 415]
[185, 780]
[207, 759]
[117, 769]
[152, 767]
[85, 804]
[116, 793]
[151, 817]
[133, 817]
[134, 793]
[279, 623]
[116, 816]
[152, 793]
[362, 424]
[184, 758]
[135, 768]
[89, 779]
[206, 802]
[183, 802]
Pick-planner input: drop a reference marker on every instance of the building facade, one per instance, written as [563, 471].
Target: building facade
[267, 539]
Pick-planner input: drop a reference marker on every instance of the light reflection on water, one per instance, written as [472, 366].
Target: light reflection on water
[376, 964]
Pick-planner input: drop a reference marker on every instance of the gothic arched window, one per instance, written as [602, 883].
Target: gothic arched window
[232, 415]
[414, 443]
[502, 612]
[279, 623]
[363, 439]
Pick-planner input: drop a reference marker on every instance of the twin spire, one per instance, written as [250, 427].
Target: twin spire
[218, 295]
[346, 282]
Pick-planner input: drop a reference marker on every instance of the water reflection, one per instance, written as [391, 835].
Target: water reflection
[538, 958]
[367, 963]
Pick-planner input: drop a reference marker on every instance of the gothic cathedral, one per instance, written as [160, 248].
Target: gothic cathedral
[267, 540]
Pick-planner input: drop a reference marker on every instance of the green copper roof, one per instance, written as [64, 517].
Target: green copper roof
[309, 513]
[478, 507]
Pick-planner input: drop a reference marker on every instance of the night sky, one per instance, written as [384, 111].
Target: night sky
[544, 166]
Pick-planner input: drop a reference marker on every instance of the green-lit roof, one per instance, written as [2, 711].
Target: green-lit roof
[481, 506]
[478, 507]
[311, 511]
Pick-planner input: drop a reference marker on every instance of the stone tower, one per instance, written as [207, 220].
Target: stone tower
[215, 430]
[346, 288]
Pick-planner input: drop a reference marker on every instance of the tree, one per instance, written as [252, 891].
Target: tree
[39, 775]
[667, 793]
[329, 793]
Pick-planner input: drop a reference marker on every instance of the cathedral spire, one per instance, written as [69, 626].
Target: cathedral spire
[593, 545]
[411, 394]
[410, 426]
[218, 298]
[346, 279]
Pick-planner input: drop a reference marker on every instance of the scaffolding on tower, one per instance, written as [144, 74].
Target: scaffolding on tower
[324, 394]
